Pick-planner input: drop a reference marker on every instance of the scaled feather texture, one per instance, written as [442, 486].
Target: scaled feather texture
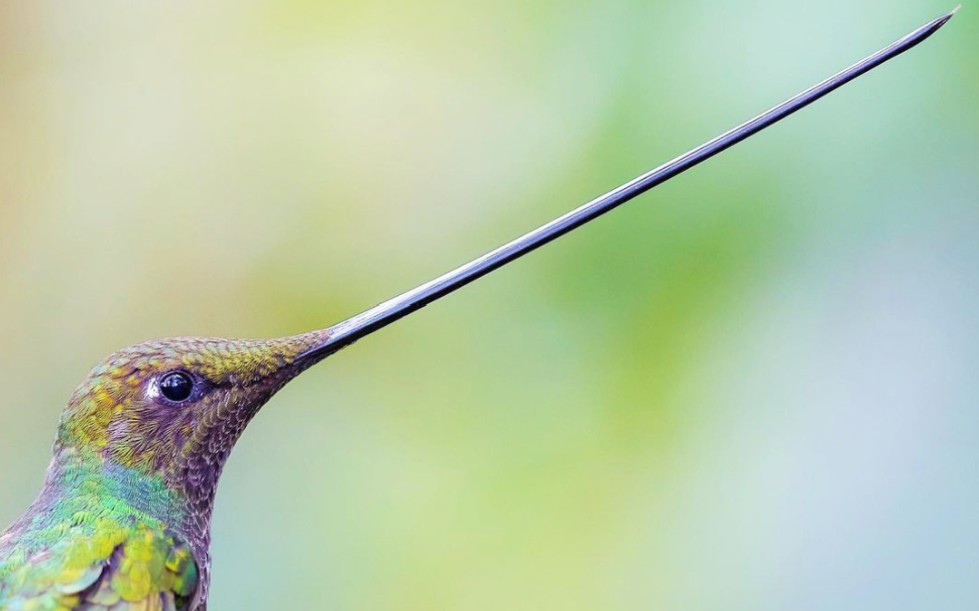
[123, 520]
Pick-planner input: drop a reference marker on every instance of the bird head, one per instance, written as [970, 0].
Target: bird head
[175, 407]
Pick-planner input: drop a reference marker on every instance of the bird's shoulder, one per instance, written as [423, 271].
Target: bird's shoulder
[83, 565]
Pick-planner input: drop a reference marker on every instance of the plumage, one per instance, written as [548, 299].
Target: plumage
[123, 519]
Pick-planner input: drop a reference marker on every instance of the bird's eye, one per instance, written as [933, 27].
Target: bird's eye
[177, 386]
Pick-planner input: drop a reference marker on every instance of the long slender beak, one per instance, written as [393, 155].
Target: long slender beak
[347, 332]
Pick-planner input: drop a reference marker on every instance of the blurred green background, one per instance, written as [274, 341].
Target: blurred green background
[755, 388]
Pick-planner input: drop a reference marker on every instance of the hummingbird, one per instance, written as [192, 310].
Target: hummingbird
[123, 519]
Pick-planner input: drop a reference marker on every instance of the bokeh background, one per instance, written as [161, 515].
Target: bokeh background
[756, 388]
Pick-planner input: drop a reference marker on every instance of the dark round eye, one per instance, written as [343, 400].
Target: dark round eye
[177, 386]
